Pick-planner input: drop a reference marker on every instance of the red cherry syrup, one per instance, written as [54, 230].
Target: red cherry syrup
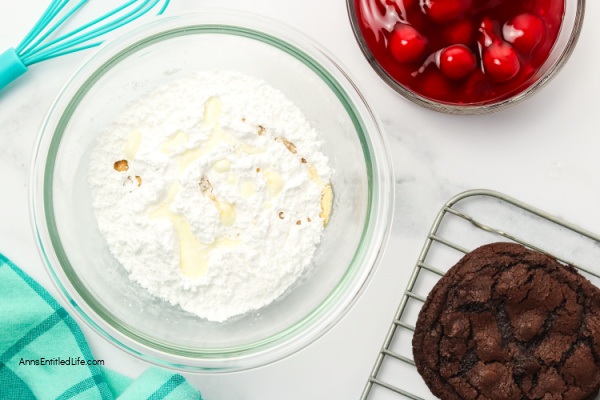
[469, 52]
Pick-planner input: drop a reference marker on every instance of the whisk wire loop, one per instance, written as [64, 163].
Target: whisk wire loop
[34, 47]
[71, 41]
[53, 9]
[44, 41]
[57, 46]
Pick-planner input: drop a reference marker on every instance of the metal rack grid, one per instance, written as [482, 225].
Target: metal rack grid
[452, 210]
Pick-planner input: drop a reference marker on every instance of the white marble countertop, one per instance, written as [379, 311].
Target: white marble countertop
[543, 151]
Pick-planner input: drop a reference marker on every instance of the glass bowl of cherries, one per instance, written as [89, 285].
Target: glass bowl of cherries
[466, 56]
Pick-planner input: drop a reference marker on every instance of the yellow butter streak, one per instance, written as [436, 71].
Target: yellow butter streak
[326, 194]
[274, 181]
[193, 254]
[222, 166]
[247, 189]
[213, 108]
[227, 212]
[133, 144]
[314, 175]
[326, 204]
[175, 141]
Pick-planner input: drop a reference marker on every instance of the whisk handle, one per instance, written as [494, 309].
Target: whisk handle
[11, 67]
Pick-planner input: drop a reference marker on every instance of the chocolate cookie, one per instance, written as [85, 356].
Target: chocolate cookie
[510, 323]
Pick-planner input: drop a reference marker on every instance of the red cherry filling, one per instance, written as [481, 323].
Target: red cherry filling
[442, 11]
[487, 31]
[434, 84]
[461, 51]
[406, 44]
[525, 32]
[459, 33]
[501, 62]
[456, 62]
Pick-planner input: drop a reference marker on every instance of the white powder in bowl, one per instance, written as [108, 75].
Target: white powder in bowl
[212, 192]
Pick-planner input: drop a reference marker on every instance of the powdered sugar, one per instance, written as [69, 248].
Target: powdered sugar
[220, 210]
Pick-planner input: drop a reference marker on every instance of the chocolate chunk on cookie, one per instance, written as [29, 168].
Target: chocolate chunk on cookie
[509, 323]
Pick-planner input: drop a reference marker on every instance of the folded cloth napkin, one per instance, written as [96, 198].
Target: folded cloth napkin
[44, 355]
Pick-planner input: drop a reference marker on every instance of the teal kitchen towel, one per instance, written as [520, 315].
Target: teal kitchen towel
[44, 355]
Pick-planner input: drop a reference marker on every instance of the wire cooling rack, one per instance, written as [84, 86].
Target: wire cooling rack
[467, 221]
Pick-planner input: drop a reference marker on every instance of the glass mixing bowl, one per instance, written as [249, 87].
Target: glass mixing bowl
[99, 288]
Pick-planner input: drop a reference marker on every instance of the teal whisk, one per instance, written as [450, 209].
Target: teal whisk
[44, 42]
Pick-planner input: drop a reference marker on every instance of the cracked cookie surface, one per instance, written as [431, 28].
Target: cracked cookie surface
[510, 323]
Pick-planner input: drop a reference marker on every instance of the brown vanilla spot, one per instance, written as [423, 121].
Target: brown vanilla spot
[281, 215]
[139, 180]
[121, 165]
[303, 160]
[298, 222]
[289, 145]
[205, 185]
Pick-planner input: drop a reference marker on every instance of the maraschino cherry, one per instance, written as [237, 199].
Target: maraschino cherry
[457, 61]
[524, 32]
[406, 44]
[501, 62]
